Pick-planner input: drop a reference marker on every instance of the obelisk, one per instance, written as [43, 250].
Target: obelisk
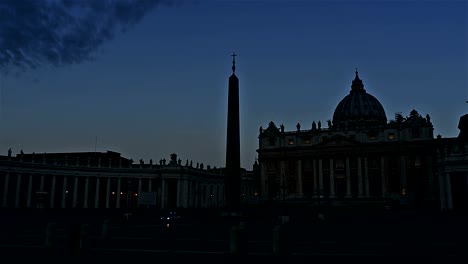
[232, 176]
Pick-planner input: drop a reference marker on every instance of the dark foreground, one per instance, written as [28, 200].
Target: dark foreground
[260, 234]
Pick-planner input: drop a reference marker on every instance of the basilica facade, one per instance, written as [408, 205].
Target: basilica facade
[358, 155]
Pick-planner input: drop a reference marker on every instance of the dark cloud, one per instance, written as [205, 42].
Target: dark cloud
[35, 33]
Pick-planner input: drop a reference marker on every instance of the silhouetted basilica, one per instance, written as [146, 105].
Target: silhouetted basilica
[361, 156]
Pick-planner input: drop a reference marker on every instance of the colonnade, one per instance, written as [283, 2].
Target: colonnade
[20, 189]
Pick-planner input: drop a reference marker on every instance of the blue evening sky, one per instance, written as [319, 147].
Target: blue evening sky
[161, 86]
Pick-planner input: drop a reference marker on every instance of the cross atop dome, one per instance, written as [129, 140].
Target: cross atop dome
[357, 84]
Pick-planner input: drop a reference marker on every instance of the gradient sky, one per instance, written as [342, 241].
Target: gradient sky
[160, 87]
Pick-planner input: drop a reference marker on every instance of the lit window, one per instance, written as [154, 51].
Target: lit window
[339, 164]
[291, 142]
[306, 140]
[417, 162]
[391, 136]
[372, 137]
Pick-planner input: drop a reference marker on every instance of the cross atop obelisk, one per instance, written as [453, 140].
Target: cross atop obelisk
[233, 62]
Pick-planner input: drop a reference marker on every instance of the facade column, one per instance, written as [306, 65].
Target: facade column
[320, 176]
[118, 193]
[282, 176]
[348, 179]
[384, 178]
[28, 201]
[402, 172]
[448, 191]
[264, 181]
[366, 176]
[332, 179]
[197, 195]
[108, 195]
[360, 194]
[299, 177]
[5, 189]
[163, 193]
[52, 192]
[442, 190]
[430, 179]
[85, 200]
[150, 189]
[314, 173]
[96, 194]
[75, 192]
[64, 192]
[18, 188]
[41, 186]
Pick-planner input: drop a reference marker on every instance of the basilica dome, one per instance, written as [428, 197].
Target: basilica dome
[359, 109]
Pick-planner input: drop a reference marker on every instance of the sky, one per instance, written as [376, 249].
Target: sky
[150, 78]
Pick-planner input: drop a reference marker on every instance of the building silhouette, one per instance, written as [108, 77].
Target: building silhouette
[359, 156]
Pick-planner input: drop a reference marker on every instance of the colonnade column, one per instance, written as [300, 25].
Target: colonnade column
[139, 189]
[299, 177]
[314, 173]
[18, 188]
[96, 193]
[41, 186]
[366, 176]
[332, 180]
[75, 192]
[185, 190]
[118, 193]
[179, 193]
[5, 189]
[28, 201]
[108, 192]
[320, 171]
[348, 179]
[64, 192]
[85, 199]
[163, 193]
[149, 186]
[52, 192]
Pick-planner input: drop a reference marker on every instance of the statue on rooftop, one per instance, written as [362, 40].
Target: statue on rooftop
[9, 152]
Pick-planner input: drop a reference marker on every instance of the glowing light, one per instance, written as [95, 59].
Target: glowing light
[113, 192]
[136, 194]
[66, 192]
[121, 192]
